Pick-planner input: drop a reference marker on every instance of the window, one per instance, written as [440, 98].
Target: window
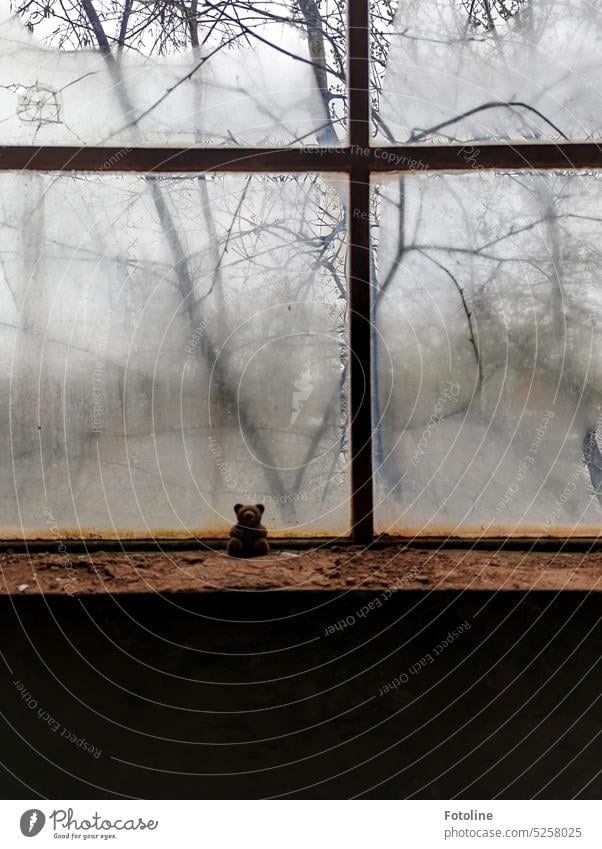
[161, 76]
[487, 362]
[238, 266]
[480, 70]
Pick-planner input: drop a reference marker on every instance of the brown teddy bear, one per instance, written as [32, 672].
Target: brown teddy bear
[248, 535]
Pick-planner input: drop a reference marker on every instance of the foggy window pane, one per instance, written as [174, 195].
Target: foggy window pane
[465, 70]
[148, 74]
[171, 346]
[487, 309]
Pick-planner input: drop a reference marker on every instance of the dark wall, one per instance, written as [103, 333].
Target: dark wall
[245, 695]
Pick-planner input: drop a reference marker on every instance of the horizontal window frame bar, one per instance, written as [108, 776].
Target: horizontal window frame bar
[374, 159]
[127, 545]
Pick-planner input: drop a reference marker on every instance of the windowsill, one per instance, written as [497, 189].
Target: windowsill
[334, 569]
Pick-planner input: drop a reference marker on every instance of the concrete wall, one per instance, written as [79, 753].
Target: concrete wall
[244, 695]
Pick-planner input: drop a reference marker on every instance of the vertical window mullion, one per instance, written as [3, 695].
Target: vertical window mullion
[359, 272]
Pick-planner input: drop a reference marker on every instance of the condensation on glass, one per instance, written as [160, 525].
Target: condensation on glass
[481, 70]
[488, 363]
[171, 346]
[251, 82]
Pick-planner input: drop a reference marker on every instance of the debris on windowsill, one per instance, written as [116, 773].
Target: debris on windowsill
[388, 570]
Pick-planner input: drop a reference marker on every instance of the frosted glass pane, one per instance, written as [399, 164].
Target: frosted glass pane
[170, 347]
[492, 69]
[255, 82]
[487, 310]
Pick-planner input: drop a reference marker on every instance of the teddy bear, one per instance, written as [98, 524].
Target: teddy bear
[248, 535]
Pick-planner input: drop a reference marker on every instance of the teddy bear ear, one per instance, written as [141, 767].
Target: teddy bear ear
[260, 507]
[237, 507]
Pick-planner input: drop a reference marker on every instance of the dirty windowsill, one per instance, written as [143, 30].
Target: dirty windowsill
[336, 569]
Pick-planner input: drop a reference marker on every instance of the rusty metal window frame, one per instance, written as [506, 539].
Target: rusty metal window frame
[357, 159]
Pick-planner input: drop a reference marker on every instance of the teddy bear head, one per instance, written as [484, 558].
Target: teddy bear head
[249, 515]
